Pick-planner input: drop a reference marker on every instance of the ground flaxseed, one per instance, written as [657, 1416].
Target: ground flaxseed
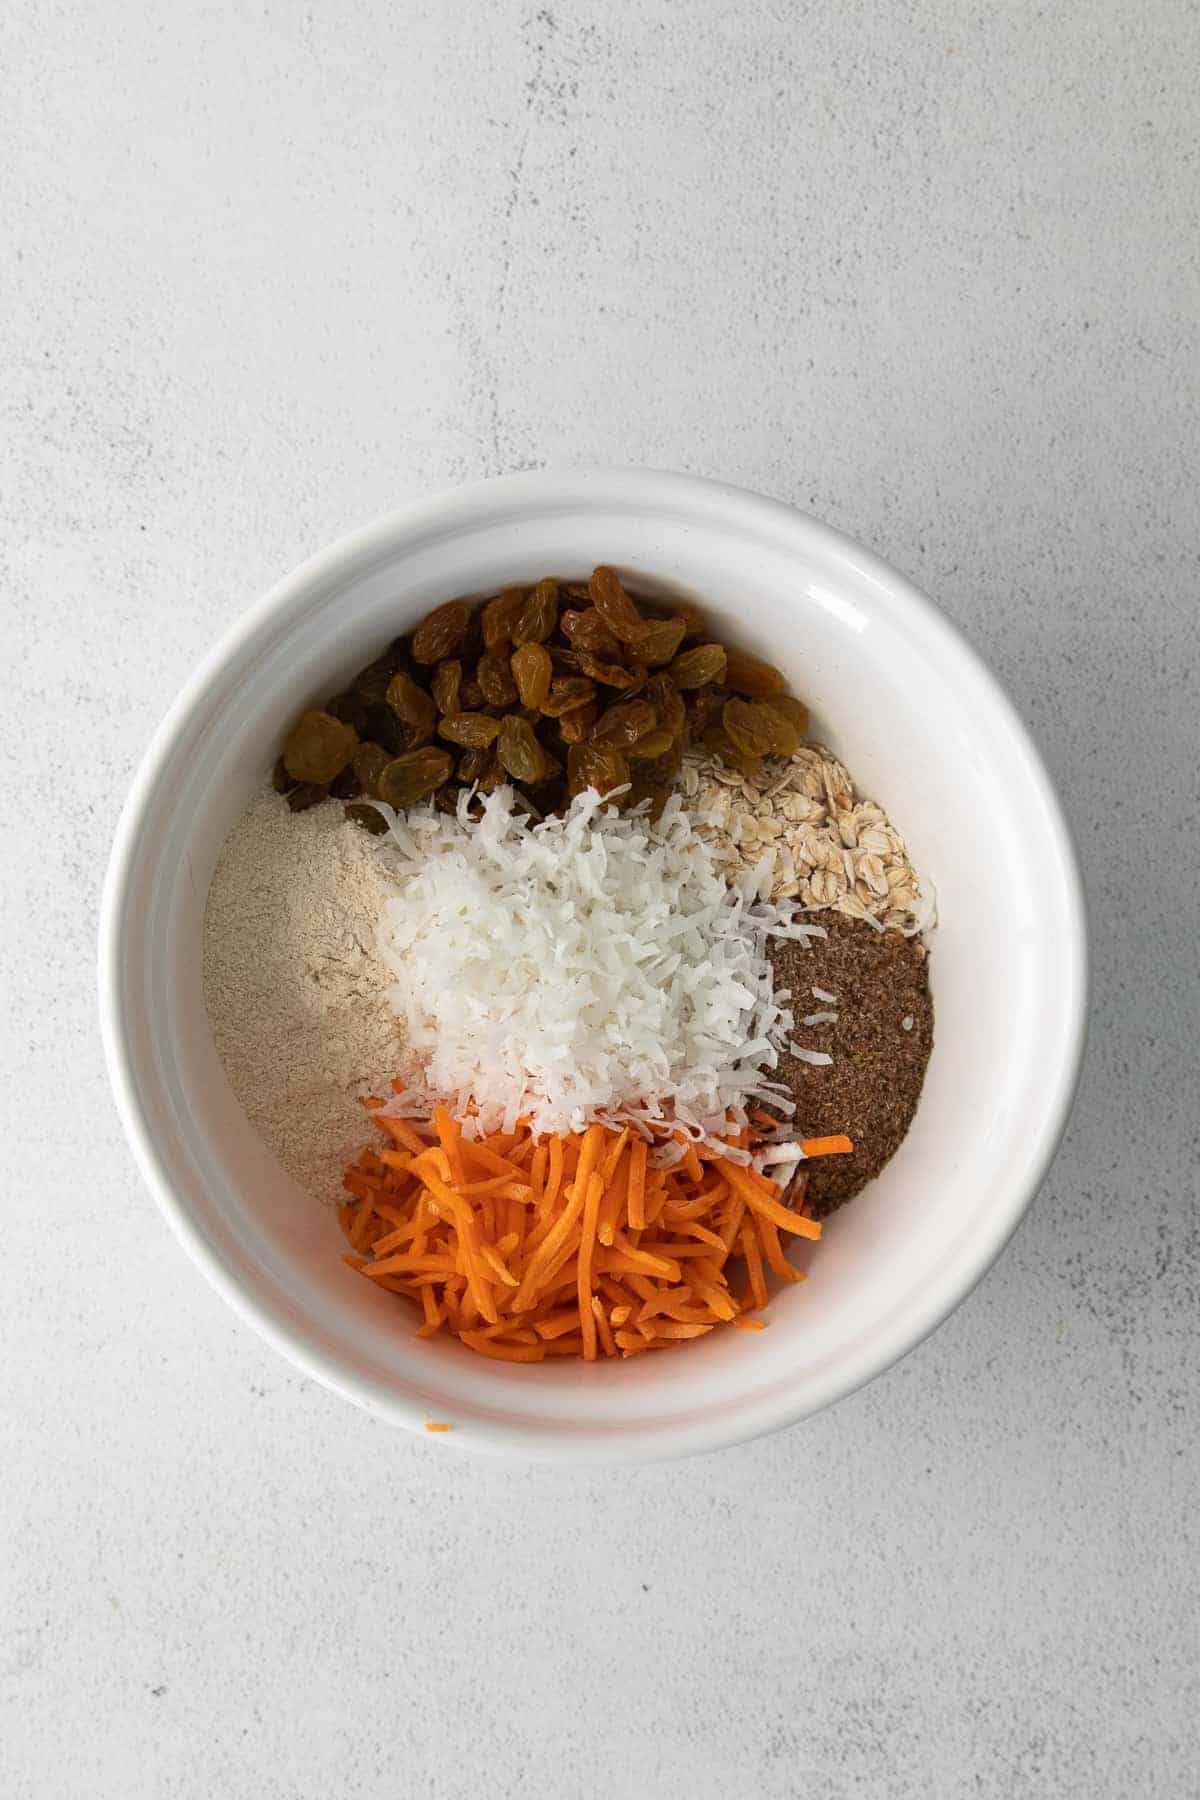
[879, 1042]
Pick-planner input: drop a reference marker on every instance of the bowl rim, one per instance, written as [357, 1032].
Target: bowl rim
[475, 505]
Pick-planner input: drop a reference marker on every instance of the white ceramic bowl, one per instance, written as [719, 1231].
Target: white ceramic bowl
[923, 728]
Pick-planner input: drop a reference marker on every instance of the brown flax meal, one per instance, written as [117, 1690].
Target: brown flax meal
[880, 1044]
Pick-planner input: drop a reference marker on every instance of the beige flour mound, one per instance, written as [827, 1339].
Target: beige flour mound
[294, 989]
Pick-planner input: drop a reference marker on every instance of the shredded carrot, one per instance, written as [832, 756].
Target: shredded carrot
[402, 1131]
[637, 1185]
[602, 1325]
[826, 1146]
[691, 1162]
[587, 1244]
[777, 1262]
[554, 1174]
[537, 1173]
[449, 1137]
[437, 1425]
[752, 1253]
[568, 1246]
[761, 1200]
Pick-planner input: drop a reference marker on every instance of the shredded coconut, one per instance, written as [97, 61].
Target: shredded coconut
[595, 965]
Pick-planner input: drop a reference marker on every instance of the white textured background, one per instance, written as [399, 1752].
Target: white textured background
[929, 270]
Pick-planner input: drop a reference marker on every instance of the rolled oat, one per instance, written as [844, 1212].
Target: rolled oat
[832, 850]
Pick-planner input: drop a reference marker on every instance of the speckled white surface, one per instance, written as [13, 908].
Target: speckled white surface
[929, 271]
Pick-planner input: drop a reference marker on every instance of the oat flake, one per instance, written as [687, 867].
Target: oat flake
[832, 849]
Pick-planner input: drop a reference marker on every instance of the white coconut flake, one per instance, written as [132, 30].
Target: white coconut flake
[591, 966]
[800, 931]
[925, 912]
[820, 1059]
[782, 1153]
[820, 1018]
[824, 994]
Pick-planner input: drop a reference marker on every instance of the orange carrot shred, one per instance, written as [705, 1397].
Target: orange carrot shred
[591, 1214]
[449, 1137]
[752, 1252]
[691, 1162]
[570, 1245]
[768, 1207]
[602, 1326]
[826, 1146]
[636, 1202]
[403, 1132]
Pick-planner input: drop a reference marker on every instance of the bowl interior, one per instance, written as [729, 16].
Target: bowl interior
[922, 729]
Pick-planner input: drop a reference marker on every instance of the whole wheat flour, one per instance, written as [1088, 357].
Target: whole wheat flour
[294, 990]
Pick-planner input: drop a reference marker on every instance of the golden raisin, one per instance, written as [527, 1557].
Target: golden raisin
[318, 748]
[369, 817]
[661, 642]
[749, 675]
[533, 671]
[567, 692]
[794, 715]
[474, 763]
[613, 674]
[703, 708]
[500, 615]
[587, 631]
[599, 766]
[441, 632]
[667, 702]
[414, 776]
[495, 677]
[699, 667]
[615, 607]
[370, 760]
[718, 742]
[447, 680]
[657, 771]
[538, 616]
[751, 727]
[518, 751]
[412, 705]
[575, 726]
[625, 724]
[654, 744]
[470, 730]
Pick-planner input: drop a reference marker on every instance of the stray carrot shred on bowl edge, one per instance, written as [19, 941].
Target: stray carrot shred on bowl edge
[527, 1249]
